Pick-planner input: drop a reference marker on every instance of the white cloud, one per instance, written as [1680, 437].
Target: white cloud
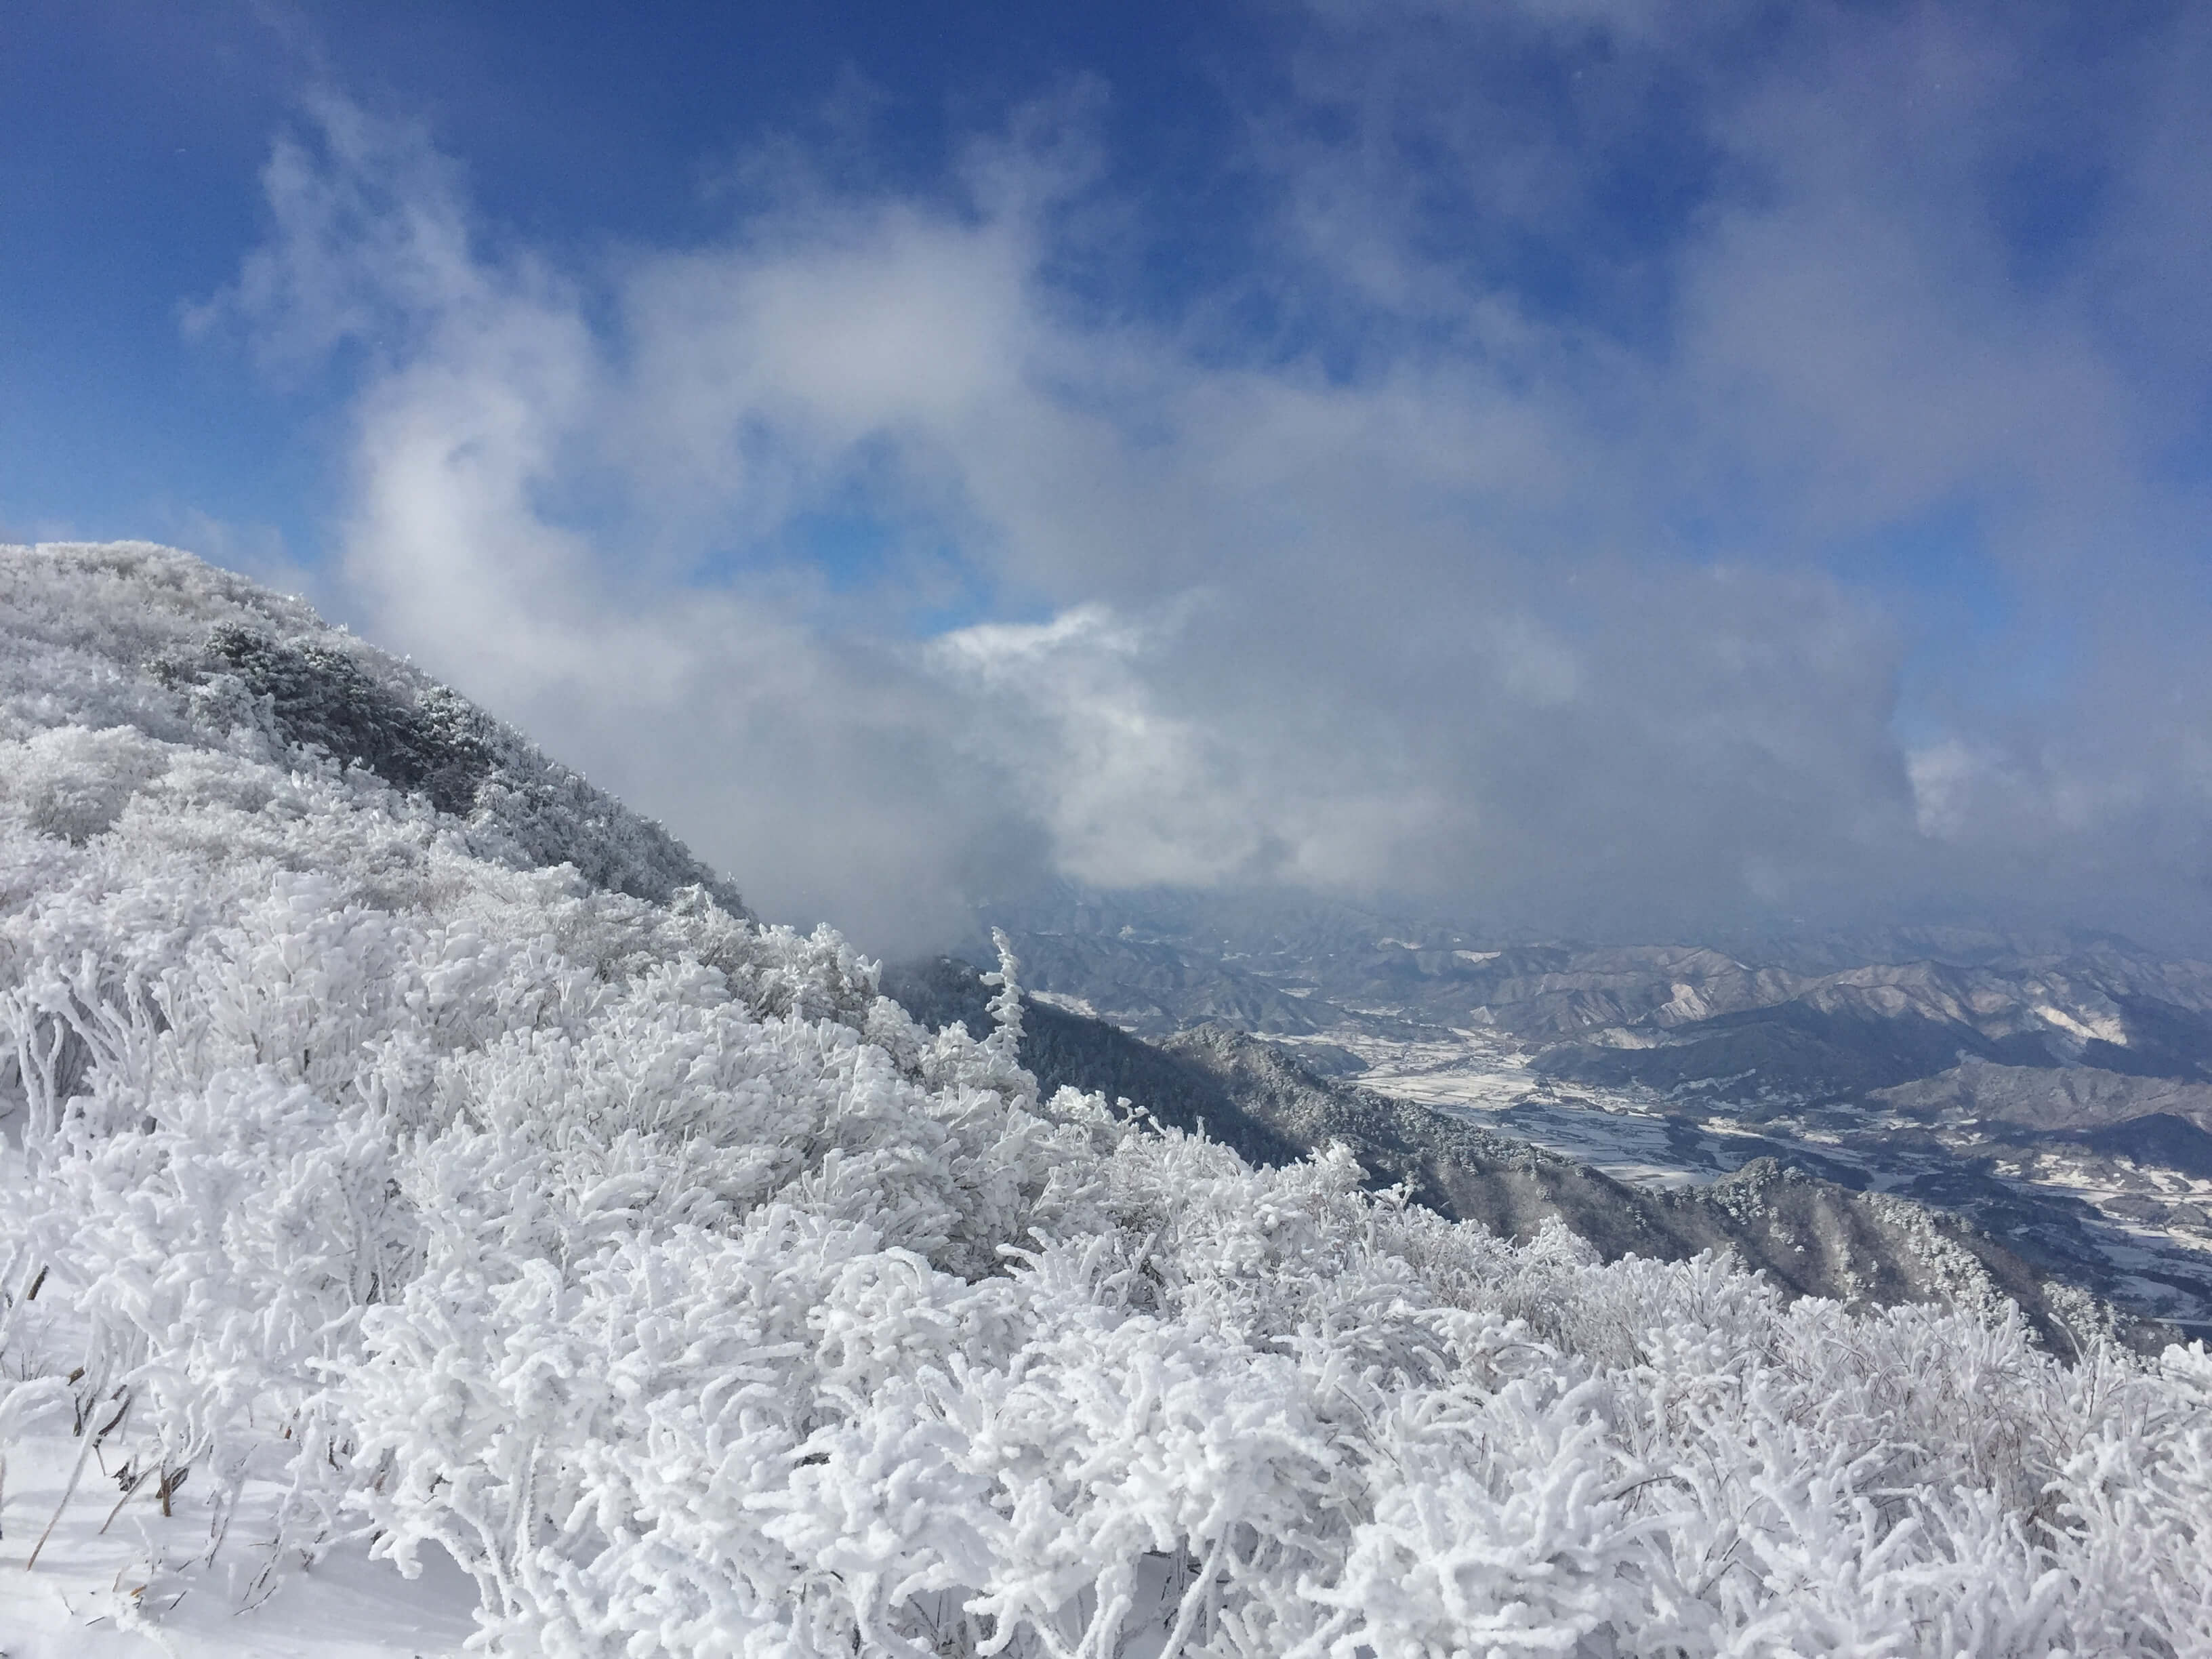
[1427, 622]
[372, 241]
[1134, 792]
[1131, 793]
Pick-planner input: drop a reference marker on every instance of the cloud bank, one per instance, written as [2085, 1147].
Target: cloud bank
[1645, 470]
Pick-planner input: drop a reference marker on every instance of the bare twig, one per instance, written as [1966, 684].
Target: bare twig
[120, 1502]
[76, 1475]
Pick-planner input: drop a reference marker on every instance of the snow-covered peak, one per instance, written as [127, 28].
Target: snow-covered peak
[152, 650]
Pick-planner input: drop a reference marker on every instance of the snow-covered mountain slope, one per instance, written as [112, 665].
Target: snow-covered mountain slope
[122, 657]
[2030, 1087]
[381, 1198]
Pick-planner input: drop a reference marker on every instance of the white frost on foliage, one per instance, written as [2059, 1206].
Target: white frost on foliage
[695, 1302]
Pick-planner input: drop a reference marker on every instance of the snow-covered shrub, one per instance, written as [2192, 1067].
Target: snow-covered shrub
[72, 782]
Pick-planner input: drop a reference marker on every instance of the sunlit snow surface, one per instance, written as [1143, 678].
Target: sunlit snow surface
[117, 1582]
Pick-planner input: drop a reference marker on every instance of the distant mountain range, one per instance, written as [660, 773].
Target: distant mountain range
[2056, 1093]
[1813, 1237]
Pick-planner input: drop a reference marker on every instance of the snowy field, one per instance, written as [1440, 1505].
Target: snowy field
[1472, 1074]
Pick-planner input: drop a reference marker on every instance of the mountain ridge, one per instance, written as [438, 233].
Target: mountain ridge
[225, 664]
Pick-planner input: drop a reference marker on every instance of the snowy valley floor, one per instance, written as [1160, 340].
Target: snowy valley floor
[2153, 1262]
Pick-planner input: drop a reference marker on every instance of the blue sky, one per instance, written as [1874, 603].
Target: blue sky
[1607, 464]
[131, 186]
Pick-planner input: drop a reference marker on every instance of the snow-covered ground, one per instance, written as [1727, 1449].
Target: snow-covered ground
[116, 1579]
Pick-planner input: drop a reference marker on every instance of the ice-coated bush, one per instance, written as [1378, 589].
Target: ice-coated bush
[696, 1302]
